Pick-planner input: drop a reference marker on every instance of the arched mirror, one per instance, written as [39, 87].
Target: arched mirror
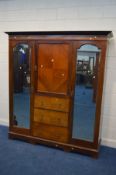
[84, 112]
[21, 86]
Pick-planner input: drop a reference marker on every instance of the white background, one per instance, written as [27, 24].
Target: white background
[45, 15]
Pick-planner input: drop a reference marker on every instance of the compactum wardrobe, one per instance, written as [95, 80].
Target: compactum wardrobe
[56, 83]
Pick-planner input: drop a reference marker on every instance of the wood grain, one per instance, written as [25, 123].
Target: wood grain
[53, 103]
[51, 117]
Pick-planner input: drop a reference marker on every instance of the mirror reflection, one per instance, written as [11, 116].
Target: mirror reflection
[21, 94]
[88, 57]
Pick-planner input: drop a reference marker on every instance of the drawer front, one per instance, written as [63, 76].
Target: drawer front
[54, 103]
[54, 133]
[51, 117]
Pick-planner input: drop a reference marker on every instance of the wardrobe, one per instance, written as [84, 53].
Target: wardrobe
[55, 86]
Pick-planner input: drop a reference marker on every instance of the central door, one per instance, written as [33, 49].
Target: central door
[52, 91]
[53, 65]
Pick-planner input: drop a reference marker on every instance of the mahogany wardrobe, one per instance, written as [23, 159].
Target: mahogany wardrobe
[55, 86]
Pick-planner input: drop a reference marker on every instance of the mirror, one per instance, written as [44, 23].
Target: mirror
[84, 112]
[21, 90]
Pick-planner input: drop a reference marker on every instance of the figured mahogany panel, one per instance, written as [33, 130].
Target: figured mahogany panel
[59, 134]
[53, 68]
[51, 117]
[53, 103]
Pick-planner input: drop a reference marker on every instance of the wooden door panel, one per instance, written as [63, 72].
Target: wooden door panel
[53, 68]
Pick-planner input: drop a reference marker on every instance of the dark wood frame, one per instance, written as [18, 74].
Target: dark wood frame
[76, 39]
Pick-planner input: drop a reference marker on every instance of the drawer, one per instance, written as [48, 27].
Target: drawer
[54, 103]
[53, 133]
[51, 117]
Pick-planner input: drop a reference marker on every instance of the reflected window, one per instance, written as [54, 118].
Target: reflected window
[21, 95]
[88, 57]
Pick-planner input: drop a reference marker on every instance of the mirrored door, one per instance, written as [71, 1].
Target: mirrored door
[21, 85]
[86, 83]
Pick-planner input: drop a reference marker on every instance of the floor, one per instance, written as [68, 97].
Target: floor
[21, 158]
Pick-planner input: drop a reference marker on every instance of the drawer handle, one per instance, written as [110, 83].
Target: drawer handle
[52, 60]
[41, 66]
